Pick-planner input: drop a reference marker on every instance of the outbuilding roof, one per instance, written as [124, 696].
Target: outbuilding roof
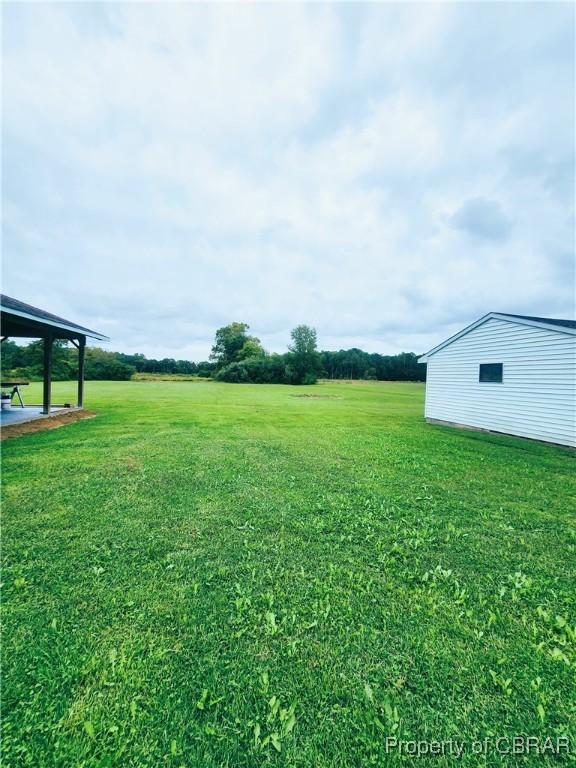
[18, 316]
[550, 323]
[545, 320]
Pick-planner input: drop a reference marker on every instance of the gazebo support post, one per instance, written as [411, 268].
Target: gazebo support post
[47, 373]
[81, 356]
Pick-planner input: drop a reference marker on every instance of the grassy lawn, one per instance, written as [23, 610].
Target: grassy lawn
[233, 575]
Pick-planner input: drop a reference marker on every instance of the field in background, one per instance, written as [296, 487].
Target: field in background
[242, 575]
[167, 377]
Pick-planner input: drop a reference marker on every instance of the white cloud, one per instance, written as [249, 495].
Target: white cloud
[278, 164]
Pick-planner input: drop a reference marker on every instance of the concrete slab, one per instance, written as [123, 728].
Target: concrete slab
[18, 415]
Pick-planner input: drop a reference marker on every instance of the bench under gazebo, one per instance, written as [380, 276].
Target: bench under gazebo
[20, 320]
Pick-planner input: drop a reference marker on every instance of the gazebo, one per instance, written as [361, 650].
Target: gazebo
[20, 320]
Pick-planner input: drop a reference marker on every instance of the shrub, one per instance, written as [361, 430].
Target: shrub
[256, 370]
[234, 372]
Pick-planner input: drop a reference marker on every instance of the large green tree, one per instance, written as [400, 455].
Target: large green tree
[304, 361]
[233, 344]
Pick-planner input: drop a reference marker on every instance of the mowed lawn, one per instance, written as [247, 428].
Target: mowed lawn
[242, 575]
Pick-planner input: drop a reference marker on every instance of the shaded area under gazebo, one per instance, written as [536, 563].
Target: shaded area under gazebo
[20, 320]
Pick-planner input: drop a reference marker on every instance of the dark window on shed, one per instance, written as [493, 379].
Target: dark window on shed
[490, 372]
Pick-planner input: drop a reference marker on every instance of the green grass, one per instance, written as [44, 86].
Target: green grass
[232, 575]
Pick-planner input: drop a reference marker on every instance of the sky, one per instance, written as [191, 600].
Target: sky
[386, 173]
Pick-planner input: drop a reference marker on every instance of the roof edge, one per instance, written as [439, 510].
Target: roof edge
[70, 327]
[498, 316]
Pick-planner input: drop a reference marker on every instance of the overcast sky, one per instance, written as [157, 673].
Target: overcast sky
[386, 173]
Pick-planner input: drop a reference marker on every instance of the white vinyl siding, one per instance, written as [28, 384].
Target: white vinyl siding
[537, 395]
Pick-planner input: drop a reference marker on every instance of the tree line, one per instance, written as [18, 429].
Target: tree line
[356, 364]
[26, 362]
[236, 356]
[240, 357]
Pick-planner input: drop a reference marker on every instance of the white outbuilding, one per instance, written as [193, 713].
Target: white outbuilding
[506, 373]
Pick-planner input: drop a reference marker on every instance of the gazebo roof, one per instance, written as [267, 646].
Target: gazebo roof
[23, 320]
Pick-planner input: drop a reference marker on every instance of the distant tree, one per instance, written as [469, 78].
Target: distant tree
[185, 367]
[137, 360]
[251, 348]
[233, 344]
[304, 363]
[11, 356]
[205, 369]
[64, 359]
[167, 365]
[101, 364]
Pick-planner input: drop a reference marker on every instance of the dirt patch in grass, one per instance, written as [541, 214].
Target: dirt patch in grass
[320, 397]
[49, 422]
